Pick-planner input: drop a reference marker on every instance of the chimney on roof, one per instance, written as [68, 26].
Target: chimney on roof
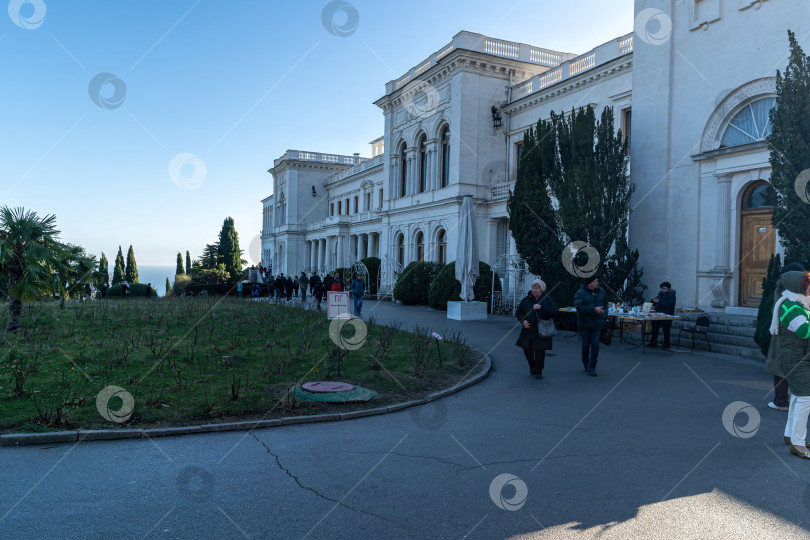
[356, 157]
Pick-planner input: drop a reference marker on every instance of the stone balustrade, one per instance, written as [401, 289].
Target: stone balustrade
[596, 57]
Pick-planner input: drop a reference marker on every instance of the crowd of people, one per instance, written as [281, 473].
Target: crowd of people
[283, 287]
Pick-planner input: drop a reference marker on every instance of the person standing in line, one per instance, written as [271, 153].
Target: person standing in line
[781, 399]
[312, 279]
[239, 289]
[289, 288]
[535, 306]
[295, 285]
[125, 288]
[358, 289]
[591, 304]
[88, 292]
[304, 282]
[790, 328]
[337, 283]
[103, 289]
[320, 290]
[663, 303]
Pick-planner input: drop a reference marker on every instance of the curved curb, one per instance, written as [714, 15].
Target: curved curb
[77, 436]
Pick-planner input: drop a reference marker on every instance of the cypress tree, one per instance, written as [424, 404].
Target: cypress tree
[790, 154]
[103, 270]
[131, 272]
[179, 270]
[210, 256]
[532, 219]
[188, 263]
[118, 271]
[168, 288]
[572, 185]
[762, 335]
[229, 252]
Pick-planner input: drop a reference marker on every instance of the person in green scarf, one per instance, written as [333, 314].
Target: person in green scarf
[790, 327]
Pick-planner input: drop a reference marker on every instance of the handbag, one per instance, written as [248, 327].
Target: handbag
[546, 328]
[606, 336]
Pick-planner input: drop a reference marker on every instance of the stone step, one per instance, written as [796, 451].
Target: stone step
[747, 331]
[724, 319]
[733, 349]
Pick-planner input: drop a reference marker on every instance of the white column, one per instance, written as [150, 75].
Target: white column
[340, 263]
[410, 188]
[372, 246]
[361, 249]
[722, 234]
[321, 253]
[330, 262]
[393, 180]
[313, 257]
[429, 178]
[437, 167]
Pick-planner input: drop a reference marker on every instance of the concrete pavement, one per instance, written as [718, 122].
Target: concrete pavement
[642, 450]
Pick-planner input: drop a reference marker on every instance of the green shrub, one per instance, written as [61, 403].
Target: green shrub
[446, 288]
[180, 283]
[373, 265]
[762, 335]
[135, 289]
[413, 284]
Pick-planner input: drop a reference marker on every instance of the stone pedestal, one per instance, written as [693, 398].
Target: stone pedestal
[467, 311]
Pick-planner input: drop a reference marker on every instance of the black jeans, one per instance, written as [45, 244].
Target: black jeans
[657, 325]
[590, 347]
[536, 359]
[780, 392]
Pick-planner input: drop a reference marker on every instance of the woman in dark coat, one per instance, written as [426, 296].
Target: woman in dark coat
[537, 305]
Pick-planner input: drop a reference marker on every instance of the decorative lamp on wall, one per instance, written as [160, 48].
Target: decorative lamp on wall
[496, 117]
[313, 191]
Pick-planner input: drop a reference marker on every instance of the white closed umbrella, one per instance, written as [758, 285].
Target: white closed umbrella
[467, 249]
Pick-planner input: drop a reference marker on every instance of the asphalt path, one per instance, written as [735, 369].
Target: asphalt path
[642, 451]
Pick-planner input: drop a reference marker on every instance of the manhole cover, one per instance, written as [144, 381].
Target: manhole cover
[327, 386]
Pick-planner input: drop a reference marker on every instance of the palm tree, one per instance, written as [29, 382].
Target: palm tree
[28, 257]
[74, 268]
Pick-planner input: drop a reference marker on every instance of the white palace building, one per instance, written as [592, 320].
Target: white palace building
[691, 87]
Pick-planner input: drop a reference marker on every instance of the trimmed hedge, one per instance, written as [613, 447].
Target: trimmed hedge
[373, 265]
[135, 289]
[413, 284]
[446, 288]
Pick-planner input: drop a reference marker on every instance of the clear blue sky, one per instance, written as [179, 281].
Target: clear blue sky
[233, 83]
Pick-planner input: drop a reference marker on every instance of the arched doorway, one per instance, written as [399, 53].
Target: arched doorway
[757, 242]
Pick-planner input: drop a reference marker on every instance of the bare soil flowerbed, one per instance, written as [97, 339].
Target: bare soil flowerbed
[204, 360]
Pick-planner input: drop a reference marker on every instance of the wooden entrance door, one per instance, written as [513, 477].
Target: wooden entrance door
[757, 243]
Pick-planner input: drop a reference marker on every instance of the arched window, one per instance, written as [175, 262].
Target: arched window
[757, 196]
[751, 124]
[420, 246]
[445, 138]
[403, 171]
[422, 164]
[401, 249]
[442, 243]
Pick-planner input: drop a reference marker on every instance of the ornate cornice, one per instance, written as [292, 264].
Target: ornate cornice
[459, 60]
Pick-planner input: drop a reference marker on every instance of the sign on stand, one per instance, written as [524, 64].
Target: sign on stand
[337, 305]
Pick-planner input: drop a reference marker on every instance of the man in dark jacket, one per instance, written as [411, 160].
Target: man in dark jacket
[358, 288]
[663, 303]
[591, 304]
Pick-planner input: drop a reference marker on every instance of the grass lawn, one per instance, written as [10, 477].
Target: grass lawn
[203, 360]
